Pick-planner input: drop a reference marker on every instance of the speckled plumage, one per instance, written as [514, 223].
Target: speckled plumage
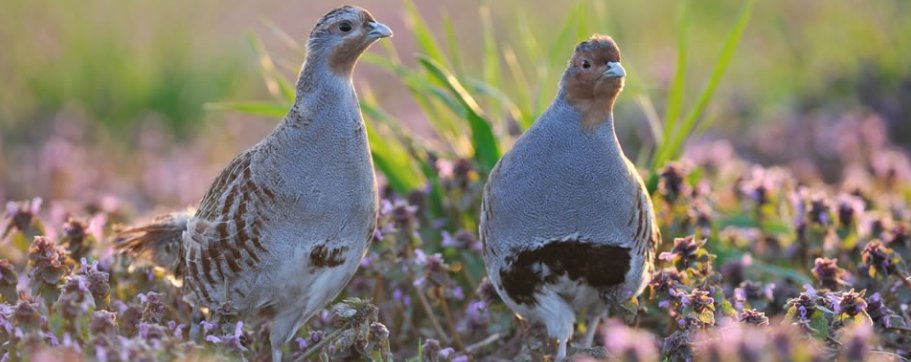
[283, 228]
[567, 223]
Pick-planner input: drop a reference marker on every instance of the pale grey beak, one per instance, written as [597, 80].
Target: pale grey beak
[378, 30]
[614, 70]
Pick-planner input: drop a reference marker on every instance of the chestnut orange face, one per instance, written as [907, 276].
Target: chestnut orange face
[595, 78]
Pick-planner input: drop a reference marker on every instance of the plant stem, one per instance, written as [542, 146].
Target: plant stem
[322, 343]
[484, 342]
[452, 325]
[433, 319]
[904, 278]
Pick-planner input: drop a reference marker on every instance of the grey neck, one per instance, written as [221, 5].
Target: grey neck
[561, 110]
[319, 91]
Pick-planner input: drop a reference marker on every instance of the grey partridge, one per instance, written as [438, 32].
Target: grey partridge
[566, 222]
[284, 226]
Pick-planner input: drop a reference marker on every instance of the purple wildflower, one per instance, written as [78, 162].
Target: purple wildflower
[208, 326]
[754, 317]
[628, 343]
[878, 258]
[476, 316]
[379, 331]
[8, 281]
[828, 273]
[302, 343]
[487, 292]
[75, 238]
[672, 183]
[49, 265]
[21, 215]
[856, 342]
[431, 347]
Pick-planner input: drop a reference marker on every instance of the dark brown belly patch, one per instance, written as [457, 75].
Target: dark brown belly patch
[598, 266]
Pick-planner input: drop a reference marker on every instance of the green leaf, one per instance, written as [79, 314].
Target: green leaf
[726, 308]
[819, 324]
[707, 317]
[20, 241]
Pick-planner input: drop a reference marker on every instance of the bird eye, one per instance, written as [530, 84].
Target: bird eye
[344, 26]
[586, 64]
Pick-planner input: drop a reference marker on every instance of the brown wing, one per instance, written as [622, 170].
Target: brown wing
[225, 239]
[646, 236]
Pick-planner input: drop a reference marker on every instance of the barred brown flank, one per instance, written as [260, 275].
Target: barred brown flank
[231, 260]
[192, 258]
[269, 193]
[255, 238]
[217, 256]
[640, 226]
[321, 256]
[632, 218]
[229, 201]
[207, 266]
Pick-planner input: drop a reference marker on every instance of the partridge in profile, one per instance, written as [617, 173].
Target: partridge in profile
[566, 222]
[284, 226]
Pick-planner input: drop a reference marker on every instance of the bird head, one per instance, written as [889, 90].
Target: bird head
[342, 35]
[594, 77]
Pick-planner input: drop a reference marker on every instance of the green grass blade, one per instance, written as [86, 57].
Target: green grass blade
[277, 85]
[423, 37]
[503, 99]
[582, 24]
[491, 61]
[424, 93]
[678, 85]
[390, 157]
[673, 142]
[561, 50]
[268, 109]
[452, 45]
[285, 38]
[523, 87]
[485, 144]
[651, 115]
[727, 53]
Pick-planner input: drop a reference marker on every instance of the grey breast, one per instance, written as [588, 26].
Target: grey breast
[558, 182]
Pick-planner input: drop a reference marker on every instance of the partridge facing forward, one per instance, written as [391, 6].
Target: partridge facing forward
[284, 226]
[566, 222]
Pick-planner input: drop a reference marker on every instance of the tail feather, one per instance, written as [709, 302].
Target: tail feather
[159, 242]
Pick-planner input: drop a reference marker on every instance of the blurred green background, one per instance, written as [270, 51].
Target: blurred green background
[107, 98]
